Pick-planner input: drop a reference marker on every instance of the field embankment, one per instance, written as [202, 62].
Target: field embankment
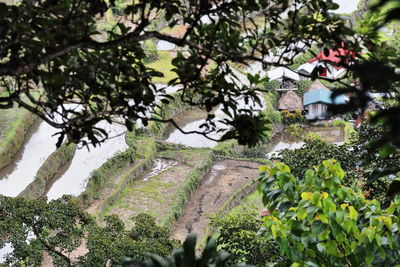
[48, 170]
[14, 124]
[163, 194]
[214, 194]
[107, 183]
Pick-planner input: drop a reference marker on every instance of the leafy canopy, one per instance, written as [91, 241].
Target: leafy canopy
[319, 222]
[72, 238]
[75, 72]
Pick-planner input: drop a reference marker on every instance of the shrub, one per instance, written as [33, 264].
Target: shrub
[253, 152]
[318, 222]
[111, 243]
[293, 117]
[237, 235]
[303, 86]
[356, 159]
[271, 86]
[151, 51]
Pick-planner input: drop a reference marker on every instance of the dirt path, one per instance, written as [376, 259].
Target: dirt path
[218, 185]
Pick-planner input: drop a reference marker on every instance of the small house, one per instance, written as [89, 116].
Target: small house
[317, 84]
[305, 70]
[287, 78]
[317, 101]
[332, 63]
[290, 101]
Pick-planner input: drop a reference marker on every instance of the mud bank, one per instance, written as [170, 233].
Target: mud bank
[14, 126]
[106, 185]
[48, 170]
[225, 178]
[163, 194]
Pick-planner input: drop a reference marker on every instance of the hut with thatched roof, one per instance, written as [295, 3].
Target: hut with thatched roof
[316, 85]
[290, 101]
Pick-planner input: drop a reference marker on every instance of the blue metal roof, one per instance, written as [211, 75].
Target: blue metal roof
[322, 96]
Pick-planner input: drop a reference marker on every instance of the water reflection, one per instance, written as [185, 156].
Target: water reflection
[21, 172]
[74, 180]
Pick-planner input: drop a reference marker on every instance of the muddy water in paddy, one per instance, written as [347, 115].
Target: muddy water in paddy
[281, 142]
[159, 166]
[21, 172]
[217, 186]
[73, 181]
[189, 121]
[193, 120]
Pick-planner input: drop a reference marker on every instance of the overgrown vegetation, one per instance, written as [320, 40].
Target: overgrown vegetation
[316, 221]
[60, 227]
[237, 235]
[293, 117]
[14, 124]
[355, 159]
[269, 111]
[303, 86]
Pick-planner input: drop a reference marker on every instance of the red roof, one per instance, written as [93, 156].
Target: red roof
[338, 57]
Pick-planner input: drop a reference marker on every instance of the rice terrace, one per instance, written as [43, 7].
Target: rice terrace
[199, 133]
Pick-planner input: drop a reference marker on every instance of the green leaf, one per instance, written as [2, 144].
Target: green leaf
[316, 197]
[328, 205]
[353, 214]
[321, 247]
[318, 228]
[331, 247]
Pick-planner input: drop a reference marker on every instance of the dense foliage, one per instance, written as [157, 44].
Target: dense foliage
[293, 117]
[186, 256]
[59, 52]
[319, 222]
[237, 235]
[62, 229]
[355, 158]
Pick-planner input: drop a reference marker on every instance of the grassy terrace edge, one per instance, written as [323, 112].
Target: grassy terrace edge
[48, 170]
[14, 135]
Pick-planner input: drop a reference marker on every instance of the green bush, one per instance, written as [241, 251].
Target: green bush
[186, 256]
[253, 152]
[226, 148]
[269, 111]
[151, 51]
[112, 243]
[317, 221]
[356, 159]
[237, 235]
[292, 117]
[272, 86]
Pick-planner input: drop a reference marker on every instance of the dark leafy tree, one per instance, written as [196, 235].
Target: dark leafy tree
[376, 71]
[54, 52]
[237, 235]
[72, 238]
[186, 256]
[34, 226]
